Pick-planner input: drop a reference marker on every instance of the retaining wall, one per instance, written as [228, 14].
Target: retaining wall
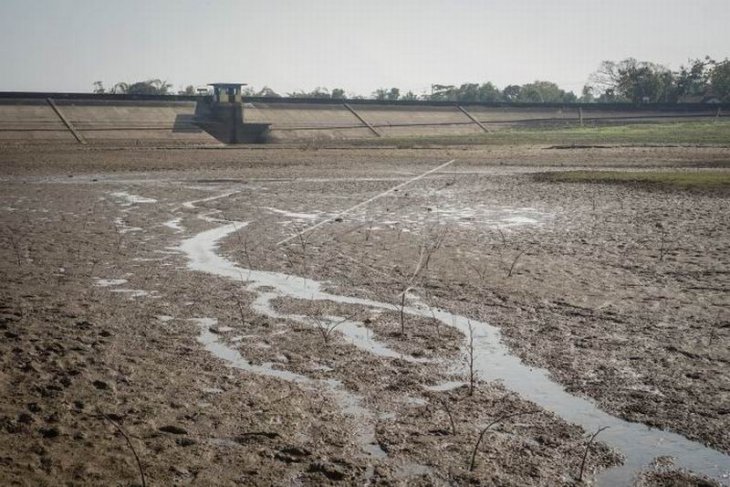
[33, 118]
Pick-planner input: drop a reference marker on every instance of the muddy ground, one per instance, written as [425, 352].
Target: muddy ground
[620, 292]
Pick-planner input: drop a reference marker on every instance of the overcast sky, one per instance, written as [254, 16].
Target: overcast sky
[358, 45]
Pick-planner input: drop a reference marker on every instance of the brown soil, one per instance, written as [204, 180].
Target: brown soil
[621, 292]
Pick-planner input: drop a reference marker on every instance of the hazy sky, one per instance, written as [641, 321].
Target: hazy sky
[359, 45]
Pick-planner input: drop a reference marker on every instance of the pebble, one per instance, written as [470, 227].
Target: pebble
[175, 430]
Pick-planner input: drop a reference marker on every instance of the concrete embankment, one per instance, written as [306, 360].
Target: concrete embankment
[123, 122]
[33, 118]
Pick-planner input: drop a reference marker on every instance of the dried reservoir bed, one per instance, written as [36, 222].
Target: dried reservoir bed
[116, 346]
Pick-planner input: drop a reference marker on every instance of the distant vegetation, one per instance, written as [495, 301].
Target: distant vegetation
[715, 133]
[678, 179]
[631, 81]
[149, 87]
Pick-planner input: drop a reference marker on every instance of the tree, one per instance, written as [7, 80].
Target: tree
[587, 95]
[544, 92]
[149, 87]
[410, 96]
[489, 93]
[318, 92]
[267, 92]
[99, 87]
[467, 92]
[393, 94]
[120, 87]
[635, 81]
[720, 80]
[188, 91]
[338, 94]
[693, 80]
[442, 92]
[511, 92]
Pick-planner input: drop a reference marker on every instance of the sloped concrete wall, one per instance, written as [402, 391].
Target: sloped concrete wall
[101, 122]
[178, 120]
[171, 122]
[32, 122]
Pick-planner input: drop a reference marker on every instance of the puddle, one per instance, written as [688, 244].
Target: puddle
[298, 216]
[359, 335]
[134, 293]
[353, 332]
[212, 390]
[410, 470]
[109, 282]
[349, 403]
[122, 226]
[414, 401]
[639, 444]
[132, 199]
[446, 386]
[192, 204]
[477, 215]
[174, 224]
[488, 216]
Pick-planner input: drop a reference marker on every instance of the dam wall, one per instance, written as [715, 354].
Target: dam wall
[70, 118]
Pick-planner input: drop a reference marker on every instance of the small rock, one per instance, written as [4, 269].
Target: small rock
[100, 384]
[182, 472]
[52, 432]
[331, 471]
[185, 441]
[175, 430]
[292, 454]
[29, 367]
[25, 418]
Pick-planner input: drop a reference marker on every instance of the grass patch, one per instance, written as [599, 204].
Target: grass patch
[665, 179]
[711, 133]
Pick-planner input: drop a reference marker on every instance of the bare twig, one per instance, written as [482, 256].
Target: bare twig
[131, 447]
[16, 245]
[369, 230]
[402, 311]
[448, 412]
[502, 236]
[436, 322]
[241, 308]
[585, 453]
[470, 360]
[663, 245]
[326, 326]
[514, 262]
[472, 463]
[288, 258]
[120, 236]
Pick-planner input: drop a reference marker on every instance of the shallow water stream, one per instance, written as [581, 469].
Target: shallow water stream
[638, 443]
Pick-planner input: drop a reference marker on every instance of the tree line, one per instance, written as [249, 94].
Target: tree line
[628, 81]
